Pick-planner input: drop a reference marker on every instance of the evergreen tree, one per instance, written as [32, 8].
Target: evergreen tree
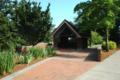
[9, 39]
[33, 23]
[23, 22]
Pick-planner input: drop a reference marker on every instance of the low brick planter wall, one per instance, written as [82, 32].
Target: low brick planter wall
[103, 54]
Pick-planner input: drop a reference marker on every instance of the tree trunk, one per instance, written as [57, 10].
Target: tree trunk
[90, 38]
[107, 39]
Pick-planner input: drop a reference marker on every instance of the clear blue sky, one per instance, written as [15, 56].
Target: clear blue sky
[61, 9]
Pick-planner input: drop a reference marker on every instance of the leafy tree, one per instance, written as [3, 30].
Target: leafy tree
[85, 20]
[96, 38]
[98, 14]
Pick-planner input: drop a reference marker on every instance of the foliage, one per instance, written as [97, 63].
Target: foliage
[107, 12]
[2, 3]
[51, 51]
[23, 22]
[9, 37]
[41, 53]
[19, 59]
[33, 53]
[6, 62]
[33, 23]
[48, 37]
[37, 53]
[28, 58]
[8, 59]
[112, 45]
[96, 38]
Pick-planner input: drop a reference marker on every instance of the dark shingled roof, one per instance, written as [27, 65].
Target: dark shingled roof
[70, 25]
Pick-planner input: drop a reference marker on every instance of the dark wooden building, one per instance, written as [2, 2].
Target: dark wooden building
[67, 36]
[115, 33]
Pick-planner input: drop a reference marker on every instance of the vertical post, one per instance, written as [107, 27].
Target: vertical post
[99, 53]
[107, 39]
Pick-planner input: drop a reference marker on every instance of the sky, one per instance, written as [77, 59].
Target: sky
[61, 9]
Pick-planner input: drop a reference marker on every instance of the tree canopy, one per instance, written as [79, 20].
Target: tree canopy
[32, 22]
[97, 14]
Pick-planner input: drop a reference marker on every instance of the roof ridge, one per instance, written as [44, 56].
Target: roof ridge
[70, 25]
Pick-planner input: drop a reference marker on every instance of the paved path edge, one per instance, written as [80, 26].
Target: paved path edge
[13, 75]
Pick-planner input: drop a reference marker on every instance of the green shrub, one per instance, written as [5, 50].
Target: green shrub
[6, 62]
[96, 38]
[112, 45]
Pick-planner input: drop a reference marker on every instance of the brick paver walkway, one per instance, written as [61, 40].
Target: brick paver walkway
[66, 66]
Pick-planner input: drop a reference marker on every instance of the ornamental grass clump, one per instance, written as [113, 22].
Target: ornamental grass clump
[42, 52]
[19, 59]
[37, 53]
[50, 50]
[28, 58]
[6, 62]
[45, 53]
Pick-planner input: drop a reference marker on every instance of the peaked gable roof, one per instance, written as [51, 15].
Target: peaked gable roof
[69, 25]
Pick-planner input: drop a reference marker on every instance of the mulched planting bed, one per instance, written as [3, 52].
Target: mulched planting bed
[103, 54]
